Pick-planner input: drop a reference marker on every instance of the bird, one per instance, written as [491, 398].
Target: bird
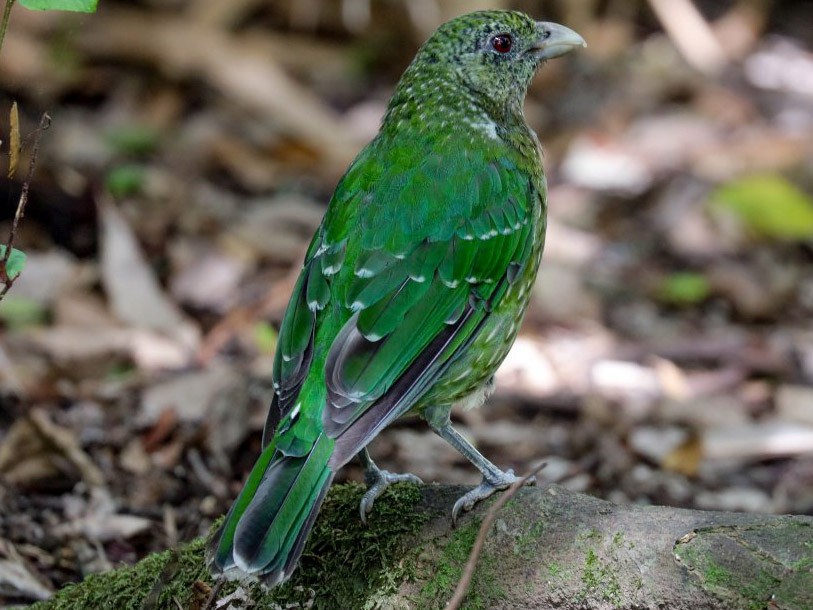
[413, 287]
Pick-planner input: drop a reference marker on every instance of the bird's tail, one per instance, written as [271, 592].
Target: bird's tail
[265, 531]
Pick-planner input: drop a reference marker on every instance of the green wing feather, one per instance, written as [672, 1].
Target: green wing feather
[434, 246]
[417, 246]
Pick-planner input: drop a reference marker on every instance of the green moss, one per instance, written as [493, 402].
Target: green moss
[758, 591]
[450, 565]
[599, 575]
[805, 563]
[755, 591]
[600, 580]
[527, 543]
[345, 564]
[717, 576]
[751, 591]
[590, 578]
[448, 569]
[166, 578]
[620, 543]
[590, 536]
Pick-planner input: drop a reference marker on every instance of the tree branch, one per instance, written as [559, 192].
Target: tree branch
[548, 548]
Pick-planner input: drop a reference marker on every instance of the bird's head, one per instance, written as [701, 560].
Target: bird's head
[493, 54]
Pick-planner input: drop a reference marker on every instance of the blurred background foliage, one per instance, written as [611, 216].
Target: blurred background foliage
[667, 356]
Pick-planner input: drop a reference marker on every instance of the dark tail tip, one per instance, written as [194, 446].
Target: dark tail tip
[265, 532]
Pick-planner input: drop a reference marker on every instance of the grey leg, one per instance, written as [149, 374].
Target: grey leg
[377, 481]
[494, 479]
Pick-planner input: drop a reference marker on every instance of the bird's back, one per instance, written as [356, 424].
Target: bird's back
[413, 287]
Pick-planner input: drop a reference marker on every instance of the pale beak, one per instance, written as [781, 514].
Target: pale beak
[555, 40]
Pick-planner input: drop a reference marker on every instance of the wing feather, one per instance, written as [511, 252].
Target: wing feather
[403, 334]
[416, 249]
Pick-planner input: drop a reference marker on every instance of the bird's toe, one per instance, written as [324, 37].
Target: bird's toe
[377, 483]
[484, 490]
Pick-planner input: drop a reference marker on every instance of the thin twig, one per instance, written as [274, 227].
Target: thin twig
[45, 123]
[4, 23]
[210, 601]
[476, 550]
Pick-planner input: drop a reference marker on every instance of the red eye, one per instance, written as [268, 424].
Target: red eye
[502, 43]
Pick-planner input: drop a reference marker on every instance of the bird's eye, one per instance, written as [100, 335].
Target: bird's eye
[502, 43]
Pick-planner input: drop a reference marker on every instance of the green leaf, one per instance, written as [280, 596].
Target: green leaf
[77, 6]
[684, 288]
[16, 261]
[125, 180]
[767, 206]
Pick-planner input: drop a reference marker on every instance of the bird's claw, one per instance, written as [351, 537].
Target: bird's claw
[377, 482]
[485, 490]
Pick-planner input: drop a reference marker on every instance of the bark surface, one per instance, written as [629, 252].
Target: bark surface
[548, 548]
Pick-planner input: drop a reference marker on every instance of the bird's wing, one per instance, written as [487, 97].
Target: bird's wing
[295, 343]
[434, 247]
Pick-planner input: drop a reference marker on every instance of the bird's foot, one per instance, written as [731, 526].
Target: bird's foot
[377, 481]
[485, 490]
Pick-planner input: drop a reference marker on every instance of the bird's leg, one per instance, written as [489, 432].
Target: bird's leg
[377, 481]
[494, 479]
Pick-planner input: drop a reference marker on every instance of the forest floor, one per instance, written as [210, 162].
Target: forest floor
[666, 357]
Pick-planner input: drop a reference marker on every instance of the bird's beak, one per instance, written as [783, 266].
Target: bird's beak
[555, 40]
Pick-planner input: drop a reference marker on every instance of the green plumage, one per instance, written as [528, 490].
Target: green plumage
[414, 286]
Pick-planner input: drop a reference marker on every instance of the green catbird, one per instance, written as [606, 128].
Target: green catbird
[413, 287]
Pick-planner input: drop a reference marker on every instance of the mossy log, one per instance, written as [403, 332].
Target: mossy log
[548, 548]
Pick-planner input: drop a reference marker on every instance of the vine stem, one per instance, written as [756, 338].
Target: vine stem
[45, 122]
